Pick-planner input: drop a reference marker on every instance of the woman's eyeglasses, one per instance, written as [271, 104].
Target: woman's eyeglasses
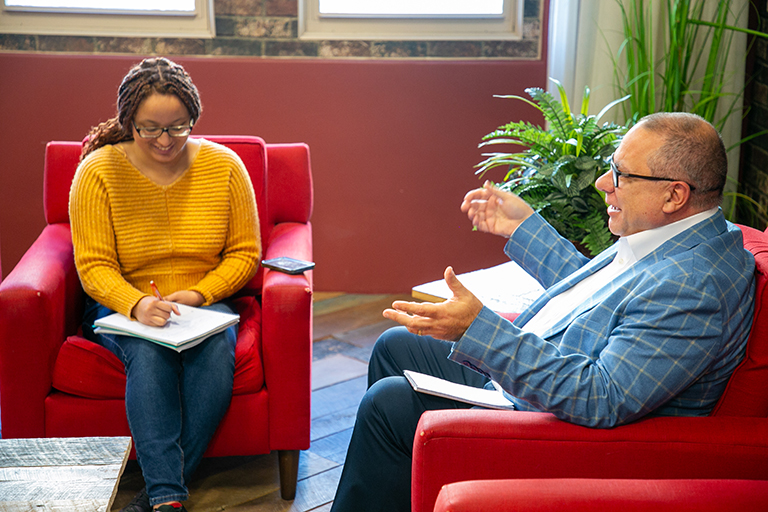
[154, 132]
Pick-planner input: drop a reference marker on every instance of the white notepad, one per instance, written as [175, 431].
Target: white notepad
[491, 398]
[193, 326]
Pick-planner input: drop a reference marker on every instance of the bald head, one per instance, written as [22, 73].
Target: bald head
[692, 149]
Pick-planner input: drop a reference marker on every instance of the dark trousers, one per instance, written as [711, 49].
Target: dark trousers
[377, 471]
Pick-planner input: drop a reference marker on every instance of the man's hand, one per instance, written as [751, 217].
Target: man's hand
[153, 311]
[447, 320]
[495, 211]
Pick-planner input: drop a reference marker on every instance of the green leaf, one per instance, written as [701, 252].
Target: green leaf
[579, 204]
[585, 163]
[611, 105]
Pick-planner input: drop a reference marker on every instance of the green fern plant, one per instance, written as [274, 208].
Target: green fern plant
[556, 173]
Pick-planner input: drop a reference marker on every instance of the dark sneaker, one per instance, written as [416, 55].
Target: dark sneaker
[171, 507]
[139, 503]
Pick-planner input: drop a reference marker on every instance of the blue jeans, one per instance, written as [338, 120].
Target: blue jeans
[377, 470]
[174, 400]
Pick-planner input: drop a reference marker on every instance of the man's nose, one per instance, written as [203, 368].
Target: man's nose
[604, 183]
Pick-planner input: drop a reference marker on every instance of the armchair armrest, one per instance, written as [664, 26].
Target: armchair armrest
[457, 445]
[577, 494]
[287, 337]
[40, 304]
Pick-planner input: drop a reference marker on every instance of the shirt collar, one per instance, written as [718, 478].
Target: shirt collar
[643, 243]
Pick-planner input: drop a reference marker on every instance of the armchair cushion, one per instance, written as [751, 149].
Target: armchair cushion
[87, 369]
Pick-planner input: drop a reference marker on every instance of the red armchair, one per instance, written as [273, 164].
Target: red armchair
[729, 445]
[54, 383]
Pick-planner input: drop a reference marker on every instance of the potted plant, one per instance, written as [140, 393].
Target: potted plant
[556, 173]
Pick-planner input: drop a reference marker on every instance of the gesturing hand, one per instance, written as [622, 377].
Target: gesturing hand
[495, 211]
[447, 320]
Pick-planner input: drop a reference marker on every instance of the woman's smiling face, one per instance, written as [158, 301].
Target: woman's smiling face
[161, 111]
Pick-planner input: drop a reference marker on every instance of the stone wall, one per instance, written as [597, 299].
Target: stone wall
[269, 28]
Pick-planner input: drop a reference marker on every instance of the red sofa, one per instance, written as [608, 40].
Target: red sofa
[729, 445]
[54, 383]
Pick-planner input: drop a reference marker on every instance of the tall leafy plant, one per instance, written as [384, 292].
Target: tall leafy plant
[556, 173]
[683, 71]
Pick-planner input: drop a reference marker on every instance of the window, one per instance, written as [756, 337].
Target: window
[100, 6]
[405, 8]
[128, 18]
[411, 19]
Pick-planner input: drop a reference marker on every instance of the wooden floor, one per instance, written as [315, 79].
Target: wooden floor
[345, 328]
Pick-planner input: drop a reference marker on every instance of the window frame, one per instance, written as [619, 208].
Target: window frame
[109, 23]
[313, 26]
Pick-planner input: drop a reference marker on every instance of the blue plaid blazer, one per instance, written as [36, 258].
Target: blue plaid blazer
[664, 337]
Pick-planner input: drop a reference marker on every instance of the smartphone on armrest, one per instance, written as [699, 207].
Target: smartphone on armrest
[288, 265]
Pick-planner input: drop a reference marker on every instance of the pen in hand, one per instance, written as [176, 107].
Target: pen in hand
[160, 297]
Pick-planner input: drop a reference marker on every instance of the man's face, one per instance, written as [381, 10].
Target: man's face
[636, 204]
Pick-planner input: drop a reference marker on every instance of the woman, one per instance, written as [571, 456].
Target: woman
[149, 204]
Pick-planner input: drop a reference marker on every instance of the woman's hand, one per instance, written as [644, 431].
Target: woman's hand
[153, 311]
[186, 297]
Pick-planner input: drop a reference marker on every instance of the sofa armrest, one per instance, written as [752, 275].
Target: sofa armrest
[287, 337]
[457, 445]
[40, 304]
[588, 495]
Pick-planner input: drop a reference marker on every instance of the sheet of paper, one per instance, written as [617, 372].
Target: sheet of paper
[505, 288]
[490, 398]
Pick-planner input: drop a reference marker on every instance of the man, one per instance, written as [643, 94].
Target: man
[655, 324]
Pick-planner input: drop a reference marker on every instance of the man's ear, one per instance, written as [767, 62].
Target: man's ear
[678, 195]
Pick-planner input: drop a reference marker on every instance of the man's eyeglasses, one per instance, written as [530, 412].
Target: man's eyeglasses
[615, 173]
[155, 132]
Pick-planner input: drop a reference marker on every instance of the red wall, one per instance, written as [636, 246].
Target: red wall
[393, 144]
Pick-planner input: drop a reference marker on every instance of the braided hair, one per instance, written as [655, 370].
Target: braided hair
[156, 74]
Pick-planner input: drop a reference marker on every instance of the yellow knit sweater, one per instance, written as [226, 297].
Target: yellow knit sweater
[199, 233]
